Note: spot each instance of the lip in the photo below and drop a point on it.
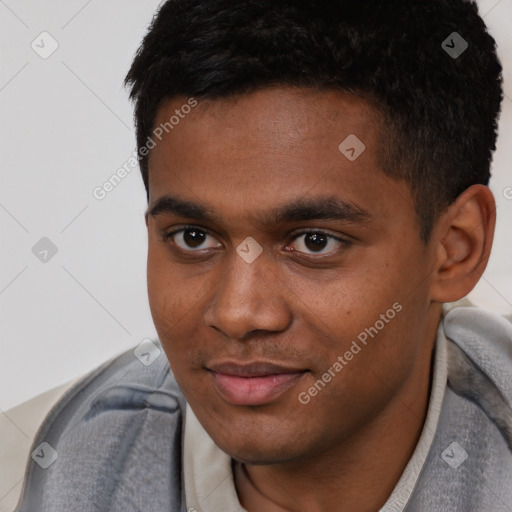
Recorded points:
(256, 383)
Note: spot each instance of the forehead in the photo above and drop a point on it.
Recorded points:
(271, 147)
(278, 118)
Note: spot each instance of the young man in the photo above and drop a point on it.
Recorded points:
(316, 177)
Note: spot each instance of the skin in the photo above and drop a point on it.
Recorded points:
(298, 306)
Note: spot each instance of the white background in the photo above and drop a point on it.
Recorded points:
(66, 127)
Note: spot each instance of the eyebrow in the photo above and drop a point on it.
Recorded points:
(318, 208)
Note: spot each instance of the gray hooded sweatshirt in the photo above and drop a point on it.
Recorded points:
(114, 442)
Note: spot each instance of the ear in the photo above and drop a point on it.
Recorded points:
(463, 238)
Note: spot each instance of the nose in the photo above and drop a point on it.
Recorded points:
(250, 297)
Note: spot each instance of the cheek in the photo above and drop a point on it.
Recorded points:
(158, 284)
(349, 302)
(166, 295)
(364, 315)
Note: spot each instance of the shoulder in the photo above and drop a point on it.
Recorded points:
(134, 380)
(105, 438)
(486, 338)
(480, 362)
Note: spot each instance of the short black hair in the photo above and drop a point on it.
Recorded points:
(438, 107)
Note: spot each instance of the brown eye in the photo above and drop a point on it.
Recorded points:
(193, 237)
(316, 241)
(190, 238)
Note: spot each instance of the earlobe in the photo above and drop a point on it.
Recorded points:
(464, 244)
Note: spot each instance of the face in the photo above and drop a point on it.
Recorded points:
(286, 276)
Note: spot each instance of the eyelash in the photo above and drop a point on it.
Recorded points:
(346, 243)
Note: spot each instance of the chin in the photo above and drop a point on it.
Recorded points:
(258, 447)
(256, 455)
(263, 435)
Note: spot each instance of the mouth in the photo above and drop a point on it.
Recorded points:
(257, 383)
